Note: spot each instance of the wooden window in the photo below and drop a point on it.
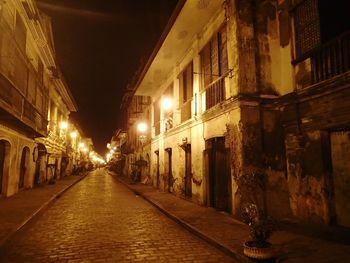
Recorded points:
(186, 91)
(307, 27)
(322, 35)
(214, 67)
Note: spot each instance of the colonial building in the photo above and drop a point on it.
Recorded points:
(244, 87)
(29, 87)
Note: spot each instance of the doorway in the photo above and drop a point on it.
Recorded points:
(4, 164)
(340, 156)
(188, 171)
(218, 174)
(157, 173)
(40, 166)
(169, 174)
(23, 167)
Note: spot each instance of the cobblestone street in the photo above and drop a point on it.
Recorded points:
(100, 220)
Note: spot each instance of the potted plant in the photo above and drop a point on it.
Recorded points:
(252, 188)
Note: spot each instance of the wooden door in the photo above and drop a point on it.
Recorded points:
(157, 175)
(188, 171)
(340, 153)
(218, 174)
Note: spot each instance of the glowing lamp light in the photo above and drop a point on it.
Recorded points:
(63, 125)
(142, 127)
(167, 104)
(73, 134)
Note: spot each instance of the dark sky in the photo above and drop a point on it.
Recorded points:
(99, 46)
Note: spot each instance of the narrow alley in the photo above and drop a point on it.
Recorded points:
(105, 223)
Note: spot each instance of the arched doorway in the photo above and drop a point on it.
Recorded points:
(39, 157)
(4, 164)
(24, 166)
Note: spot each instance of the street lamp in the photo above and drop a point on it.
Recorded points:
(63, 125)
(142, 127)
(73, 134)
(167, 103)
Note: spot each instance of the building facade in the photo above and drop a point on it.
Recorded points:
(29, 86)
(250, 87)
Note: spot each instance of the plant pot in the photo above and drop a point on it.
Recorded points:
(251, 250)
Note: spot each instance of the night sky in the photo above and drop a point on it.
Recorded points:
(99, 45)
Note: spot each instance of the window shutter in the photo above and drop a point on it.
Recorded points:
(307, 27)
(205, 67)
(214, 48)
(189, 81)
(223, 51)
(181, 88)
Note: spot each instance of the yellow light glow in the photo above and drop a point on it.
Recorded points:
(63, 125)
(73, 134)
(81, 145)
(142, 127)
(167, 103)
(84, 149)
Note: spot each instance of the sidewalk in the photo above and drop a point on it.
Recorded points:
(292, 243)
(17, 210)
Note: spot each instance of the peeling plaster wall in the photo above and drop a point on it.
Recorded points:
(197, 145)
(306, 177)
(308, 118)
(274, 161)
(273, 37)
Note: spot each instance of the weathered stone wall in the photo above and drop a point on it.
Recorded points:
(308, 117)
(274, 162)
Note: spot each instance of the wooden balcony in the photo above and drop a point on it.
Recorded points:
(23, 97)
(330, 59)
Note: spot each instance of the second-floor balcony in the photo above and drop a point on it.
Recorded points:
(23, 97)
(328, 60)
(331, 59)
(215, 92)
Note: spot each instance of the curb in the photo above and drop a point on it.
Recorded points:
(188, 227)
(37, 211)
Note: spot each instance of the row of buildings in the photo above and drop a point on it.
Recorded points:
(240, 87)
(37, 142)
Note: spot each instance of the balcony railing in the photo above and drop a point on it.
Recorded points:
(215, 92)
(331, 59)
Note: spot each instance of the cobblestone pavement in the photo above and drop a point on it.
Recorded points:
(100, 220)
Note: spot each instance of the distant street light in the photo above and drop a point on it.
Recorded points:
(63, 125)
(167, 103)
(142, 127)
(73, 134)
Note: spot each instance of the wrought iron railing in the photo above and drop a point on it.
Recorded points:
(215, 92)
